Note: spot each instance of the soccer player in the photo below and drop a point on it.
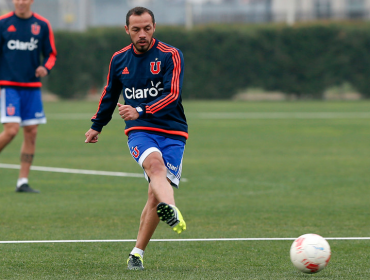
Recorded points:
(150, 74)
(24, 35)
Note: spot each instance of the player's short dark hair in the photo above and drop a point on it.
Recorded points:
(138, 11)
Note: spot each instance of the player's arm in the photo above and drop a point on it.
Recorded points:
(91, 136)
(49, 52)
(109, 98)
(1, 37)
(128, 113)
(41, 71)
(171, 94)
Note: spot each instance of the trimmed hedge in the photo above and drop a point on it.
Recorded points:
(221, 60)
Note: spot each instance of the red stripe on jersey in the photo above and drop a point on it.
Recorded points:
(173, 132)
(105, 88)
(175, 82)
(6, 15)
(174, 86)
(50, 62)
(17, 84)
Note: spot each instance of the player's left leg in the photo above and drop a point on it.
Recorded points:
(161, 186)
(172, 216)
(32, 114)
(27, 153)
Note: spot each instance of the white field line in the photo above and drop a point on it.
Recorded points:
(175, 240)
(239, 115)
(75, 171)
(79, 171)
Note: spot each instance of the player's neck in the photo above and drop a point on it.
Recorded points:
(24, 15)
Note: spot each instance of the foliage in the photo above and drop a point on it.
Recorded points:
(303, 60)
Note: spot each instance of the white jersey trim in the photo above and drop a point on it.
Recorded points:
(146, 154)
(33, 122)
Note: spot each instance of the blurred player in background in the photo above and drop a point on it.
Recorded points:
(24, 37)
(150, 74)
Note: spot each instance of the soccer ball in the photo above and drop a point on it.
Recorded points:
(310, 253)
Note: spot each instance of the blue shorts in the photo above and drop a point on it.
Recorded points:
(21, 105)
(142, 144)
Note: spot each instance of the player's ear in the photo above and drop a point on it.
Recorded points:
(127, 30)
(154, 27)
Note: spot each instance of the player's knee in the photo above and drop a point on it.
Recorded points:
(11, 131)
(157, 168)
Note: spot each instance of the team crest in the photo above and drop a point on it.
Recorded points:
(155, 67)
(10, 110)
(135, 152)
(35, 28)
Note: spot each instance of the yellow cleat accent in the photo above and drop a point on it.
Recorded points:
(135, 262)
(171, 215)
(181, 226)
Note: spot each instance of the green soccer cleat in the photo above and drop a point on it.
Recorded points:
(135, 262)
(172, 216)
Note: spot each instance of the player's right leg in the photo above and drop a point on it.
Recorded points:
(135, 262)
(148, 223)
(8, 134)
(9, 115)
(21, 107)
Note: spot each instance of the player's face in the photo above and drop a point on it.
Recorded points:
(23, 8)
(141, 31)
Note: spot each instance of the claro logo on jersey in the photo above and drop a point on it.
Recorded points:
(132, 93)
(23, 46)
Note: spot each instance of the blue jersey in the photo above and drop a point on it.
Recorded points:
(151, 81)
(22, 41)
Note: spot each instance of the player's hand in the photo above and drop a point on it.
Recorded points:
(127, 112)
(91, 136)
(41, 72)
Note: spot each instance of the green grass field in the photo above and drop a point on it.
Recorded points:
(253, 170)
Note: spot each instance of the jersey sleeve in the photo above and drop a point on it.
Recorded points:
(48, 48)
(108, 100)
(172, 80)
(1, 36)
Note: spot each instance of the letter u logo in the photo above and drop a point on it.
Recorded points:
(135, 152)
(155, 67)
(35, 29)
(10, 110)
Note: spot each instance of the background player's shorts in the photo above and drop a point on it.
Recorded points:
(21, 105)
(142, 144)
